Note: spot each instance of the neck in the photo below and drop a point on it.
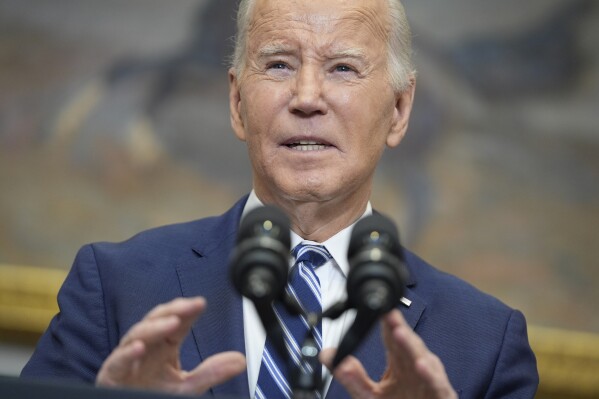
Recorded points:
(320, 220)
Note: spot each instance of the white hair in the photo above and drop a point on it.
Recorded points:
(399, 46)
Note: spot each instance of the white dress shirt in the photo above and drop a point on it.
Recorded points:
(332, 276)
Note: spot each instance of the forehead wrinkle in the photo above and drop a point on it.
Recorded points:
(268, 22)
(369, 18)
(317, 22)
(369, 15)
(265, 21)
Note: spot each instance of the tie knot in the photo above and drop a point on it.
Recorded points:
(313, 255)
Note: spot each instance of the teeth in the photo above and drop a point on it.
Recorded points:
(309, 147)
(305, 145)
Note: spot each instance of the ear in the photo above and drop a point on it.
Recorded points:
(401, 116)
(235, 105)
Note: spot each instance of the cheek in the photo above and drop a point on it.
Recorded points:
(369, 104)
(346, 98)
(259, 157)
(263, 108)
(381, 117)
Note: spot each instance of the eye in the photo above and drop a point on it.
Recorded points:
(277, 65)
(343, 68)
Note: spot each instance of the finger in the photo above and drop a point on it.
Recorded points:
(406, 340)
(158, 323)
(404, 345)
(213, 371)
(350, 373)
(431, 370)
(183, 307)
(121, 364)
(152, 331)
(187, 320)
(420, 363)
(398, 362)
(187, 309)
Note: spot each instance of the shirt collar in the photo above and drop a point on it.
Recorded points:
(336, 245)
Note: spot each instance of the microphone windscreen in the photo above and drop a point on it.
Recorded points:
(377, 273)
(265, 221)
(375, 229)
(260, 261)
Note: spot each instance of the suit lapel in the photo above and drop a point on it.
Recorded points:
(220, 328)
(413, 312)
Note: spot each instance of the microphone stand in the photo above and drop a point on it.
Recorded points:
(308, 376)
(306, 379)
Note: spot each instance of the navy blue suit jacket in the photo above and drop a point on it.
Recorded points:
(482, 342)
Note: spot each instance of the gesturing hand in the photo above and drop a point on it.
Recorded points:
(412, 372)
(148, 355)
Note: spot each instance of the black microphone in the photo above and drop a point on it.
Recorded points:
(260, 261)
(376, 277)
(260, 264)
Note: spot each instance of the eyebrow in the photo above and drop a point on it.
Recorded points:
(351, 52)
(271, 49)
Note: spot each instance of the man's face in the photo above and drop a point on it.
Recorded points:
(314, 102)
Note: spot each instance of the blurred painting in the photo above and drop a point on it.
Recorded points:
(114, 119)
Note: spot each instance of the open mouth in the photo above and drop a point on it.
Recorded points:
(306, 145)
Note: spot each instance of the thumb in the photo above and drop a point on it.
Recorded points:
(213, 371)
(350, 373)
(326, 357)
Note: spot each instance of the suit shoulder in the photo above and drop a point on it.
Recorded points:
(448, 291)
(201, 234)
(481, 341)
(172, 236)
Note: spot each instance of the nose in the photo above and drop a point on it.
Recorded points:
(307, 97)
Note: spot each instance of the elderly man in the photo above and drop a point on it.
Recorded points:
(318, 89)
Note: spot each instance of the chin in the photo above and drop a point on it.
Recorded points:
(314, 186)
(311, 193)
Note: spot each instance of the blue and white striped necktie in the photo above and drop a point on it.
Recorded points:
(304, 286)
